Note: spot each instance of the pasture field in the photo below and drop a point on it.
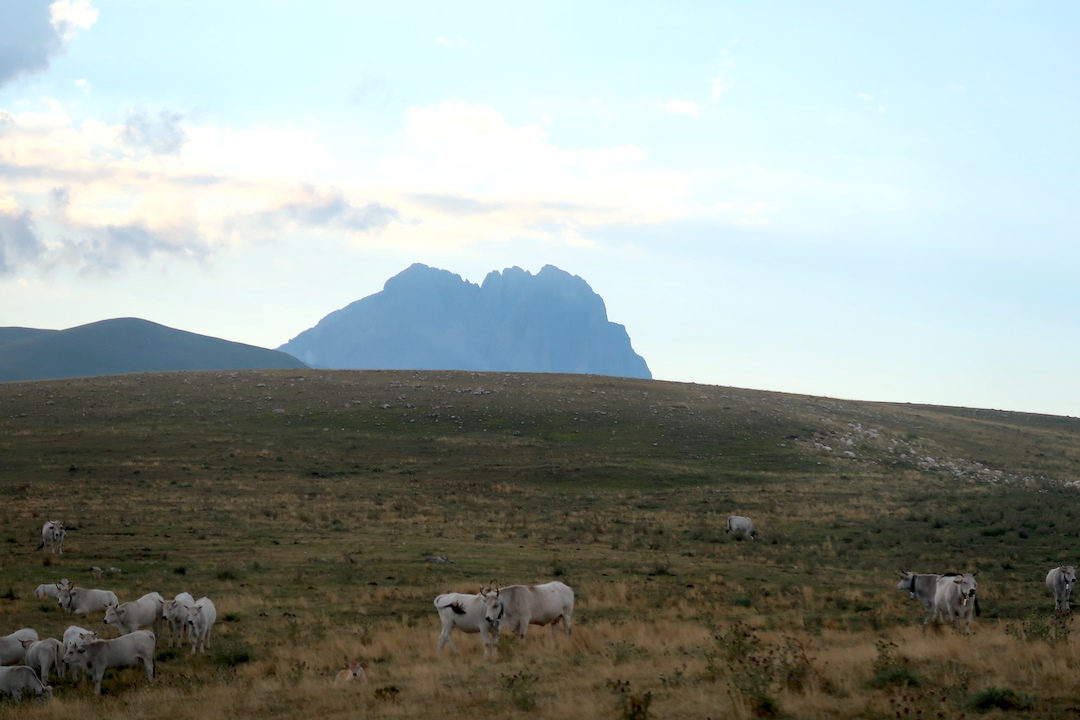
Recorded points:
(307, 505)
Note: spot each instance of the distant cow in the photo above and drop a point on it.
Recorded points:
(481, 613)
(201, 619)
(16, 680)
(544, 604)
(955, 598)
(80, 601)
(52, 536)
(741, 526)
(175, 613)
(47, 590)
(1060, 581)
(97, 656)
(43, 656)
(353, 673)
(12, 651)
(141, 613)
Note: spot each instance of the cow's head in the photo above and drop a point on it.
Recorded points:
(113, 614)
(965, 586)
(1068, 574)
(493, 608)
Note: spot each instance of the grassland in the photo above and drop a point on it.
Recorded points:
(307, 505)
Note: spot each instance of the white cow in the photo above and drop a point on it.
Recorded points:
(955, 598)
(80, 601)
(130, 616)
(741, 525)
(201, 619)
(12, 651)
(1060, 581)
(43, 656)
(175, 613)
(75, 634)
(922, 587)
(96, 656)
(16, 680)
(47, 590)
(52, 536)
(480, 613)
(545, 604)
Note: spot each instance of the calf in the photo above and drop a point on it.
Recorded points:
(15, 680)
(43, 656)
(97, 656)
(480, 613)
(353, 673)
(175, 613)
(201, 619)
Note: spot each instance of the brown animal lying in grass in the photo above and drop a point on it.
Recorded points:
(353, 673)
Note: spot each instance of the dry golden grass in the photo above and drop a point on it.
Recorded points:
(310, 530)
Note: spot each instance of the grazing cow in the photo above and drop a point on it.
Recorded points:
(1060, 581)
(201, 619)
(47, 590)
(96, 656)
(52, 536)
(545, 604)
(81, 601)
(130, 616)
(480, 613)
(175, 613)
(353, 673)
(740, 525)
(955, 598)
(12, 651)
(43, 656)
(15, 680)
(75, 634)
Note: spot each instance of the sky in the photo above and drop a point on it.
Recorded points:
(872, 201)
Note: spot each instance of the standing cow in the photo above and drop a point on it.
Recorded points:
(741, 526)
(141, 613)
(201, 619)
(43, 656)
(52, 536)
(175, 613)
(1060, 581)
(955, 598)
(97, 656)
(481, 613)
(544, 604)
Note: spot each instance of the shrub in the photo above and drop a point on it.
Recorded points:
(630, 706)
(1001, 698)
(519, 688)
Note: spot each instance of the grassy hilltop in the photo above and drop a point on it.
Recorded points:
(306, 503)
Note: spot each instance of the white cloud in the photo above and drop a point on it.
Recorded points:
(683, 107)
(70, 16)
(719, 85)
(453, 42)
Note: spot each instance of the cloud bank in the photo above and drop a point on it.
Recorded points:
(32, 32)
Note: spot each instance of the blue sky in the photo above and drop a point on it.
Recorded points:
(855, 200)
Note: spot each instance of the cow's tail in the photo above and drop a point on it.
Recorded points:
(978, 612)
(458, 610)
(41, 545)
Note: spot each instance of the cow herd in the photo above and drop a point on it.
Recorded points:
(27, 661)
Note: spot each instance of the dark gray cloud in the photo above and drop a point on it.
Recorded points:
(331, 209)
(28, 39)
(19, 242)
(161, 134)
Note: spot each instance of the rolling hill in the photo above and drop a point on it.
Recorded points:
(123, 345)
